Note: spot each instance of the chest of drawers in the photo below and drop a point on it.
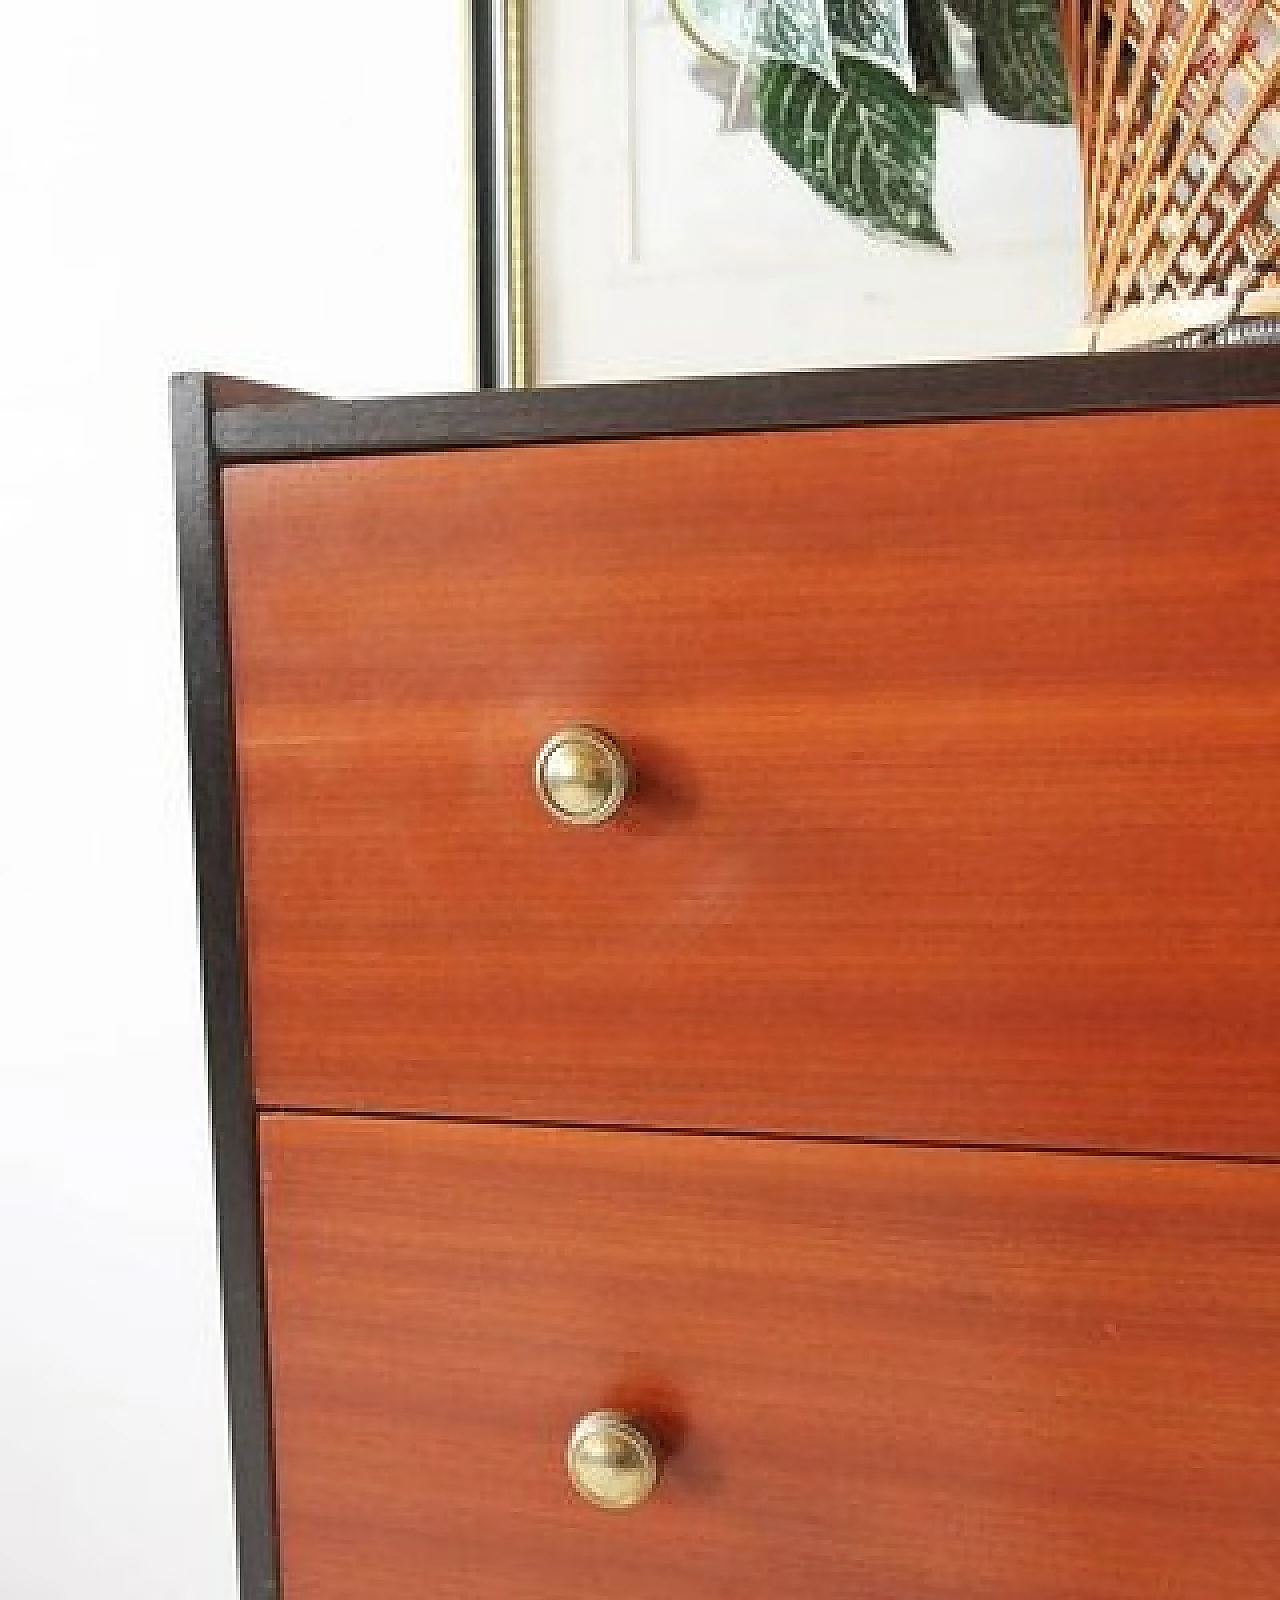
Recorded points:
(859, 1146)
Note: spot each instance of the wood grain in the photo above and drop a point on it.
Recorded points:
(879, 1372)
(958, 756)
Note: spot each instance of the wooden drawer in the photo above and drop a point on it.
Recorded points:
(887, 1373)
(957, 755)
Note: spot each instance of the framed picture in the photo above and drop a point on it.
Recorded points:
(679, 187)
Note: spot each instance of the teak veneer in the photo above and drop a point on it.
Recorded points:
(891, 1373)
(881, 1112)
(955, 758)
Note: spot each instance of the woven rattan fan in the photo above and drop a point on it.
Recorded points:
(1178, 107)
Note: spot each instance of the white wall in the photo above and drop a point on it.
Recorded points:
(269, 187)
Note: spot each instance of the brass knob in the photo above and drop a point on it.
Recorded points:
(581, 775)
(612, 1461)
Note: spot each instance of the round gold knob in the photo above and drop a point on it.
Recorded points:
(612, 1461)
(581, 775)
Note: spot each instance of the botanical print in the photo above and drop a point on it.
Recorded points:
(1020, 58)
(747, 31)
(874, 31)
(854, 95)
(867, 148)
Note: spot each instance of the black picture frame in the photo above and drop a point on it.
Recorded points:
(498, 182)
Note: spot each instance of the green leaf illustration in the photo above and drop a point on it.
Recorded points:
(872, 30)
(931, 52)
(1020, 60)
(751, 30)
(869, 150)
(796, 31)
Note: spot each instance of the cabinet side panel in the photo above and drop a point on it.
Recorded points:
(214, 807)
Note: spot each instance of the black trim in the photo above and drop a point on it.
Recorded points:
(1040, 386)
(215, 813)
(487, 187)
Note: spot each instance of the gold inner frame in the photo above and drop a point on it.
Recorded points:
(519, 265)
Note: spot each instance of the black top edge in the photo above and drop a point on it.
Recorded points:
(226, 391)
(1039, 386)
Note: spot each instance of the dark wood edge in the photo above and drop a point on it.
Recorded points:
(214, 807)
(1041, 386)
(226, 392)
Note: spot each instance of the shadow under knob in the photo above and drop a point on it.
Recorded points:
(581, 776)
(612, 1461)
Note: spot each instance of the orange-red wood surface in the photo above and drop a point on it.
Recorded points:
(958, 770)
(886, 1373)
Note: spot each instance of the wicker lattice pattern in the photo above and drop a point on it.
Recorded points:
(1178, 107)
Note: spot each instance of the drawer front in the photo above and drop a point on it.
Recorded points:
(875, 1372)
(956, 760)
